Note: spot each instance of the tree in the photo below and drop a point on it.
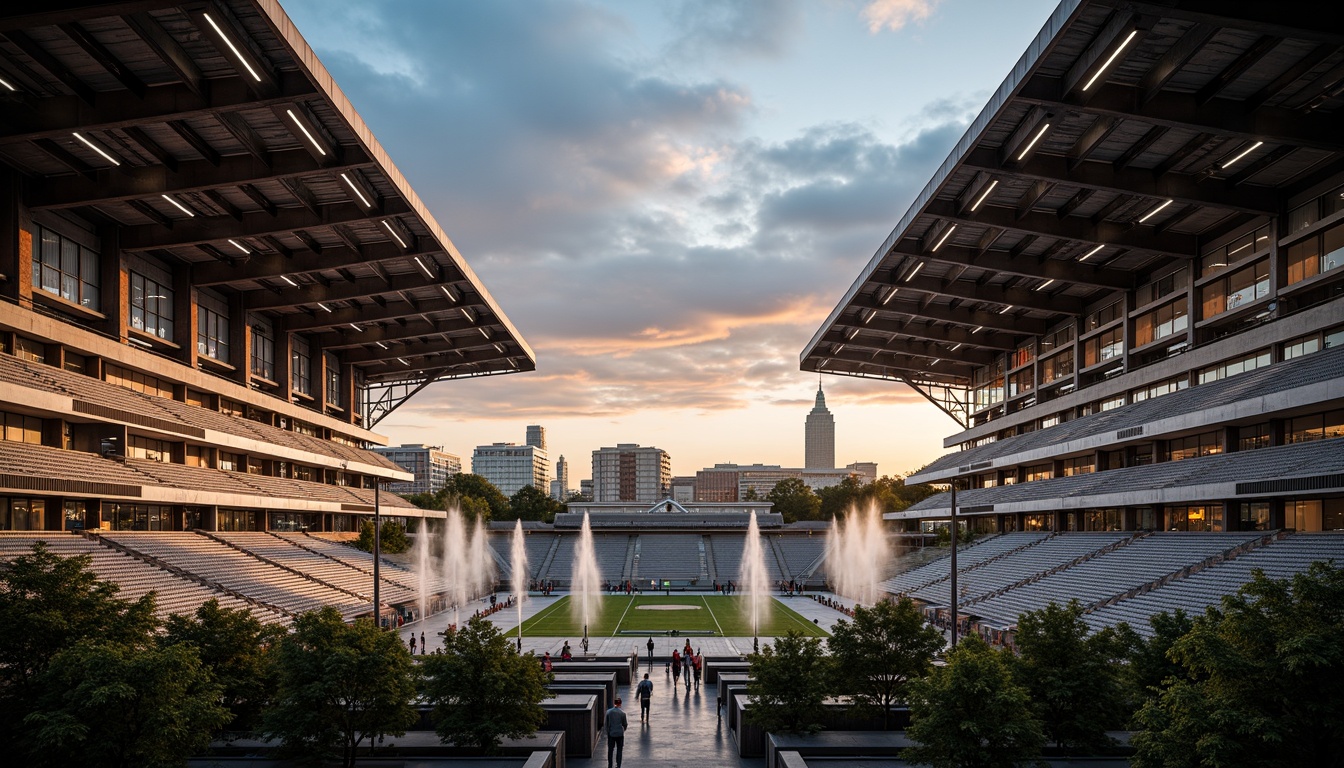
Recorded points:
(392, 540)
(233, 646)
(1260, 680)
(972, 713)
(751, 495)
(1150, 665)
(837, 499)
(794, 500)
(530, 503)
(789, 682)
(1074, 685)
(482, 691)
(473, 494)
(338, 685)
(49, 603)
(881, 652)
(120, 705)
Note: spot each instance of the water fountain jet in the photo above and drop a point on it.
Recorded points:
(518, 575)
(857, 554)
(586, 586)
(756, 579)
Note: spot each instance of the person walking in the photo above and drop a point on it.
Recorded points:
(686, 660)
(645, 692)
(698, 661)
(614, 726)
(649, 645)
(676, 666)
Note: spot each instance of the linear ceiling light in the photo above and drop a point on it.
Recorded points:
(915, 271)
(1154, 212)
(1092, 252)
(1004, 311)
(1242, 154)
(852, 333)
(5, 83)
(288, 280)
(402, 360)
(311, 139)
(978, 329)
(992, 184)
(393, 232)
(956, 347)
(466, 314)
(890, 295)
(448, 293)
(358, 192)
(484, 332)
(233, 48)
(381, 344)
(180, 206)
(422, 266)
(97, 149)
(943, 239)
(936, 361)
(1110, 60)
(839, 349)
(356, 327)
(238, 245)
(870, 317)
(1045, 285)
(324, 307)
(1033, 141)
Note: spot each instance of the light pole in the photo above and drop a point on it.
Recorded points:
(954, 561)
(377, 550)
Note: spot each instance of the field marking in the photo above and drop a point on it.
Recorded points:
(629, 601)
(536, 617)
(712, 616)
(798, 618)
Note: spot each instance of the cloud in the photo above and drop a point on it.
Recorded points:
(735, 28)
(895, 14)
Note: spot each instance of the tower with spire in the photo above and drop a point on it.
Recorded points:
(819, 450)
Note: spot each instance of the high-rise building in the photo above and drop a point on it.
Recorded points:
(586, 490)
(820, 436)
(560, 485)
(630, 472)
(536, 436)
(737, 482)
(509, 466)
(429, 463)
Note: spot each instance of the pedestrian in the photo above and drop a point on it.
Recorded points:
(615, 725)
(412, 645)
(699, 662)
(686, 661)
(676, 666)
(565, 653)
(645, 692)
(649, 645)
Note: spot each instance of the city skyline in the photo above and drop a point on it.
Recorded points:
(669, 199)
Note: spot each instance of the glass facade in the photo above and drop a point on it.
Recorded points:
(64, 268)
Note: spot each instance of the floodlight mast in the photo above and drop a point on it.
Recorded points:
(377, 550)
(953, 526)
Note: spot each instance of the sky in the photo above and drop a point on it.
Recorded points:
(668, 198)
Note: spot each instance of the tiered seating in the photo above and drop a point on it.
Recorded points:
(669, 556)
(801, 551)
(972, 554)
(59, 464)
(136, 578)
(337, 547)
(325, 569)
(193, 478)
(728, 548)
(1279, 560)
(609, 549)
(1110, 574)
(234, 570)
(992, 576)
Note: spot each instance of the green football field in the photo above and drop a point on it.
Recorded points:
(724, 616)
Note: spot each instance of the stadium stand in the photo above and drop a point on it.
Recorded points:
(980, 580)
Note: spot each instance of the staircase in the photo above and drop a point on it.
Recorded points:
(628, 570)
(549, 558)
(707, 552)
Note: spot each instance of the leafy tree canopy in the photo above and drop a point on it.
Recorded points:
(233, 645)
(972, 713)
(878, 654)
(789, 682)
(531, 503)
(482, 690)
(473, 494)
(794, 500)
(338, 686)
(392, 541)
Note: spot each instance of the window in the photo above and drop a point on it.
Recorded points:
(1304, 345)
(1057, 340)
(1111, 404)
(1021, 382)
(305, 473)
(73, 513)
(1237, 289)
(138, 447)
(65, 268)
(32, 351)
(196, 456)
(1319, 253)
(1233, 367)
(1038, 472)
(1253, 437)
(1320, 426)
(19, 428)
(1038, 522)
(300, 366)
(1194, 446)
(151, 306)
(304, 428)
(138, 382)
(1022, 355)
(212, 334)
(1107, 314)
(1104, 347)
(1161, 388)
(1195, 517)
(1082, 465)
(230, 462)
(1334, 337)
(1242, 247)
(137, 517)
(1163, 286)
(1255, 516)
(987, 385)
(1314, 514)
(73, 362)
(229, 520)
(333, 380)
(1057, 367)
(1103, 519)
(18, 514)
(1160, 323)
(263, 353)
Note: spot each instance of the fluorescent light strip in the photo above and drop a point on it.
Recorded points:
(484, 332)
(180, 206)
(402, 360)
(1111, 60)
(1004, 311)
(915, 271)
(958, 346)
(870, 317)
(448, 293)
(1092, 252)
(935, 362)
(233, 48)
(238, 245)
(466, 314)
(978, 329)
(1045, 285)
(324, 306)
(1033, 141)
(943, 239)
(97, 149)
(356, 327)
(355, 188)
(1243, 153)
(381, 344)
(5, 83)
(287, 280)
(1154, 212)
(889, 297)
(984, 195)
(852, 333)
(311, 140)
(422, 266)
(394, 234)
(840, 349)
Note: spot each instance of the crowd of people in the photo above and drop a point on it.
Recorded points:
(789, 588)
(833, 603)
(688, 663)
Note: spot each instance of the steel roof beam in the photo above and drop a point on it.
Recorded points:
(1071, 228)
(371, 313)
(345, 337)
(912, 346)
(993, 294)
(430, 356)
(924, 331)
(968, 318)
(1065, 271)
(203, 229)
(260, 266)
(360, 288)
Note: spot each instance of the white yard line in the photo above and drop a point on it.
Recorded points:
(711, 615)
(617, 630)
(542, 613)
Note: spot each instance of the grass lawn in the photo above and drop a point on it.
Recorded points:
(723, 615)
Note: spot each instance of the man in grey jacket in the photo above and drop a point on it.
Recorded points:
(614, 727)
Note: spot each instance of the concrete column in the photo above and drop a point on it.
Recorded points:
(240, 341)
(283, 347)
(184, 314)
(16, 241)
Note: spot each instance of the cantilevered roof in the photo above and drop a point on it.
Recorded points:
(1126, 135)
(213, 135)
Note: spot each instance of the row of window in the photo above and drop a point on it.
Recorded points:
(1298, 514)
(64, 268)
(30, 514)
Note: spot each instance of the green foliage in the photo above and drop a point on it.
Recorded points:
(120, 705)
(530, 503)
(1074, 685)
(789, 681)
(473, 494)
(837, 499)
(794, 500)
(1150, 665)
(338, 685)
(49, 603)
(889, 494)
(233, 646)
(1259, 683)
(972, 713)
(393, 539)
(482, 690)
(881, 652)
